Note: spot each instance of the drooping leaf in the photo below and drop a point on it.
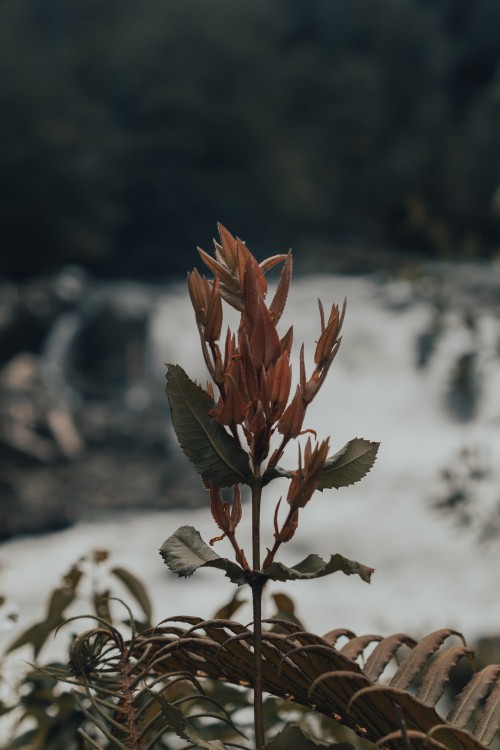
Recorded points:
(313, 566)
(214, 453)
(136, 588)
(384, 652)
(489, 721)
(350, 464)
(450, 736)
(336, 634)
(419, 655)
(357, 645)
(292, 736)
(473, 694)
(185, 551)
(304, 668)
(438, 674)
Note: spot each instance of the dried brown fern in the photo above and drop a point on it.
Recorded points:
(397, 710)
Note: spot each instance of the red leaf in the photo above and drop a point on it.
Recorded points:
(290, 424)
(279, 300)
(264, 341)
(229, 251)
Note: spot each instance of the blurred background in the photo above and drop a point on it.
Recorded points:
(358, 132)
(362, 133)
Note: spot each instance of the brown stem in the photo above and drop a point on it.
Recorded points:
(271, 553)
(240, 554)
(277, 454)
(256, 499)
(257, 586)
(277, 541)
(258, 713)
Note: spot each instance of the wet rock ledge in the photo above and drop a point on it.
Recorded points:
(83, 432)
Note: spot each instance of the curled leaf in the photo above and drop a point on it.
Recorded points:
(185, 551)
(313, 566)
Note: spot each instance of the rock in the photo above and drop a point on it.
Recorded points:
(80, 433)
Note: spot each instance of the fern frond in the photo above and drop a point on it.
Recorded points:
(308, 670)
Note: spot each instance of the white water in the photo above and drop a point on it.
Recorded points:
(428, 575)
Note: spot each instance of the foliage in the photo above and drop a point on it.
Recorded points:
(469, 494)
(371, 685)
(49, 712)
(315, 672)
(43, 715)
(127, 123)
(187, 678)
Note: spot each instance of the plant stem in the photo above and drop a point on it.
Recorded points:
(257, 586)
(256, 498)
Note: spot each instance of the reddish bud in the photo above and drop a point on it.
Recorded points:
(273, 260)
(328, 339)
(249, 371)
(217, 508)
(227, 248)
(259, 431)
(220, 270)
(236, 511)
(226, 518)
(280, 378)
(302, 366)
(213, 323)
(290, 424)
(326, 350)
(289, 527)
(245, 257)
(264, 341)
(279, 300)
(306, 478)
(287, 341)
(250, 294)
(233, 407)
(229, 349)
(197, 294)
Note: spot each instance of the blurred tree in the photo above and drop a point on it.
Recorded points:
(129, 129)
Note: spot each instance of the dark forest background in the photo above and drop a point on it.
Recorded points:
(129, 128)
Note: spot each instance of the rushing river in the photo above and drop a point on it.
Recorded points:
(428, 574)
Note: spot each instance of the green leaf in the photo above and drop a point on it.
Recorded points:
(313, 566)
(180, 725)
(59, 601)
(228, 610)
(35, 635)
(349, 465)
(185, 551)
(136, 588)
(292, 736)
(275, 473)
(215, 454)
